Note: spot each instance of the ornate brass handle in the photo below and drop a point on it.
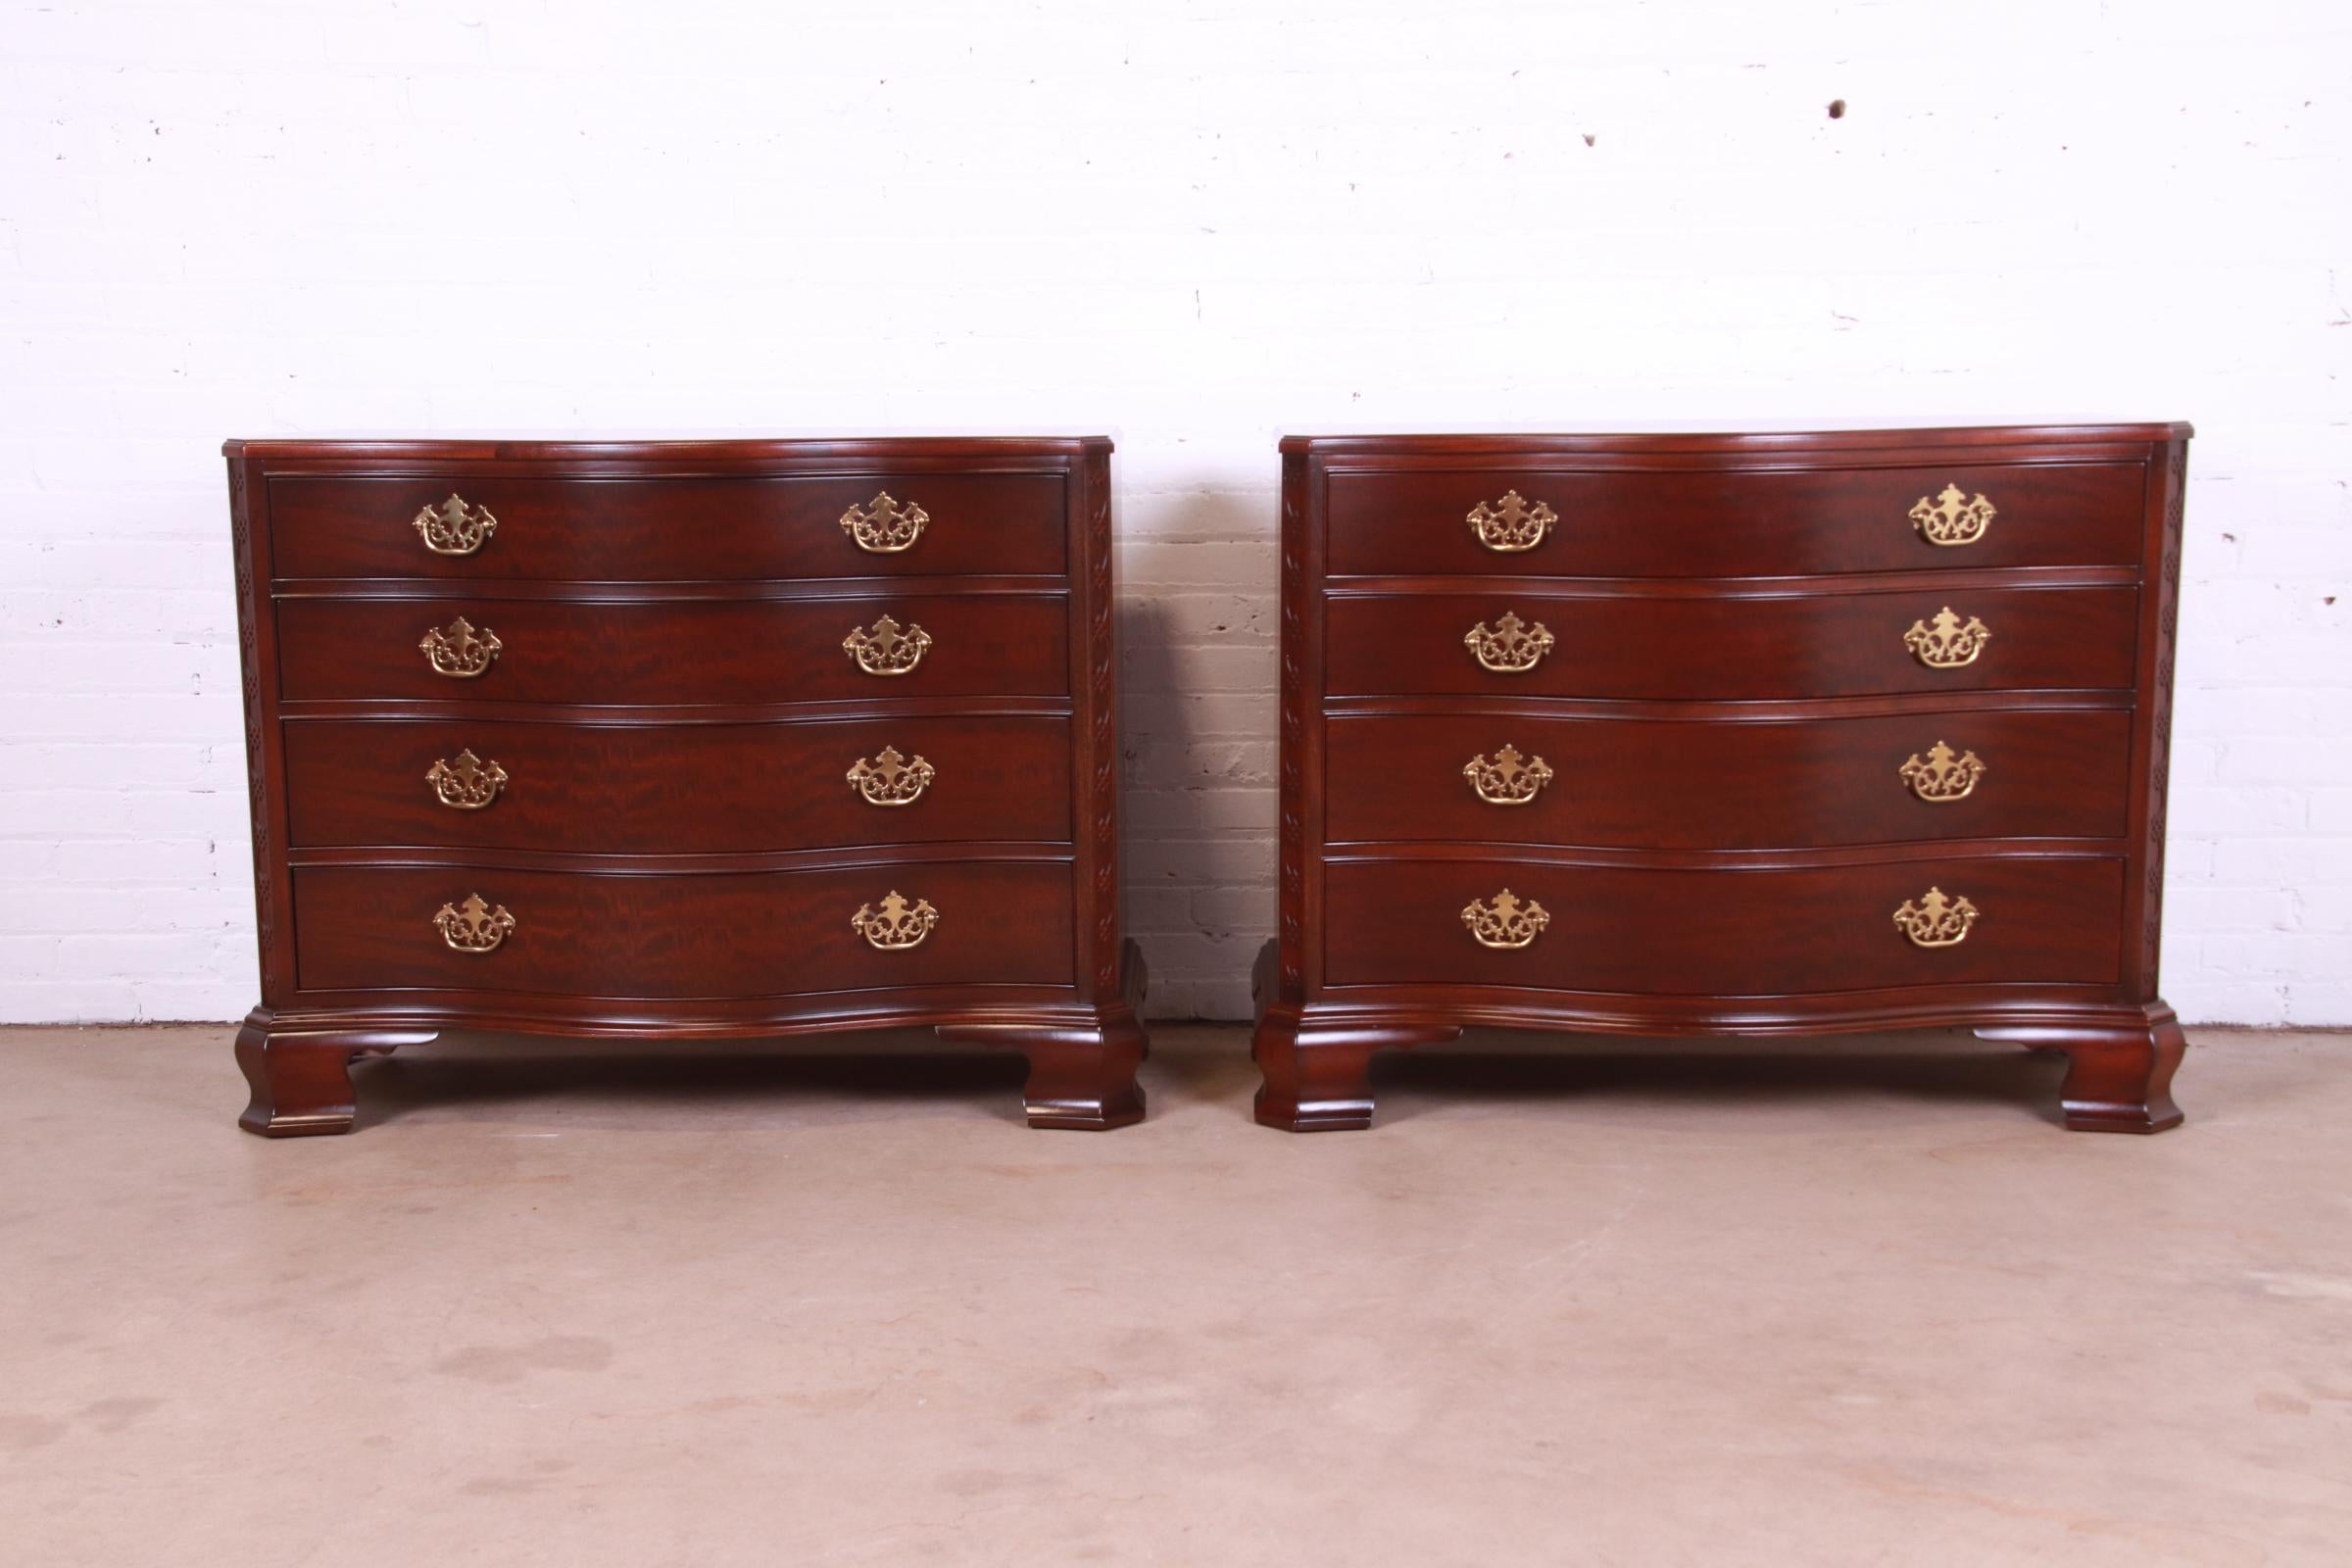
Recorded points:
(897, 925)
(473, 926)
(468, 784)
(1951, 519)
(889, 779)
(1936, 921)
(1507, 922)
(1942, 776)
(1947, 643)
(889, 649)
(1511, 524)
(1512, 648)
(883, 527)
(460, 652)
(454, 528)
(1509, 780)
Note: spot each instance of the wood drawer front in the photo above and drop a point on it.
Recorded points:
(1724, 932)
(673, 650)
(747, 934)
(667, 530)
(1723, 785)
(1735, 523)
(674, 789)
(1732, 648)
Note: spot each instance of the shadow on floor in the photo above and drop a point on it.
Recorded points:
(1196, 1064)
(1931, 1066)
(864, 1075)
(1210, 1063)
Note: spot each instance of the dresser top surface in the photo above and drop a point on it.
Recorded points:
(1759, 440)
(722, 451)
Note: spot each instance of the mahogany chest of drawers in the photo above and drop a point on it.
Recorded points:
(681, 739)
(1735, 734)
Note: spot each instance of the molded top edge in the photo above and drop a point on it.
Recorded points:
(1469, 444)
(735, 449)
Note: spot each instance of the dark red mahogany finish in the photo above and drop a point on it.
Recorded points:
(673, 719)
(1724, 828)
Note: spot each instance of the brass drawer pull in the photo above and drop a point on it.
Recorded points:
(1948, 644)
(468, 784)
(889, 779)
(897, 925)
(1942, 776)
(454, 528)
(1509, 780)
(473, 926)
(883, 527)
(889, 649)
(1512, 648)
(1936, 921)
(1951, 519)
(459, 651)
(1511, 524)
(1506, 923)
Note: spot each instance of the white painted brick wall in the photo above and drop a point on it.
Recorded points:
(1198, 225)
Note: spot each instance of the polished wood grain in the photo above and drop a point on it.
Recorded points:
(1745, 645)
(655, 936)
(652, 529)
(1725, 710)
(1725, 930)
(1774, 782)
(677, 839)
(673, 650)
(1767, 522)
(678, 788)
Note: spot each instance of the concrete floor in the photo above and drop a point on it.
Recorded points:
(1610, 1303)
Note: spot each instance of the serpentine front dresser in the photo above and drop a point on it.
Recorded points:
(1733, 734)
(681, 739)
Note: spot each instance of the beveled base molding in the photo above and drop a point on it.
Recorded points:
(1082, 1059)
(1081, 1078)
(1320, 1079)
(301, 1080)
(1315, 1056)
(2118, 1079)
